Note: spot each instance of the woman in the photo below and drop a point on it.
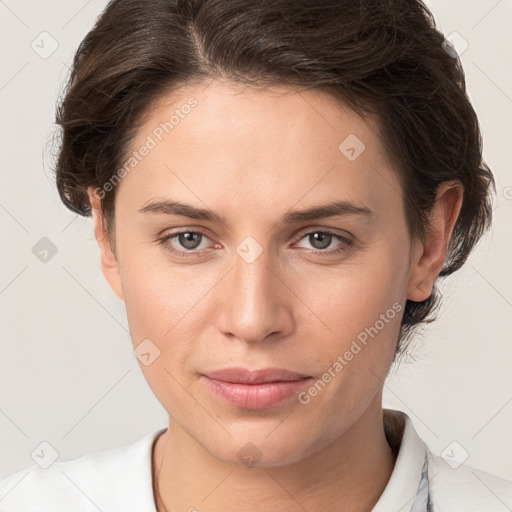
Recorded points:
(275, 188)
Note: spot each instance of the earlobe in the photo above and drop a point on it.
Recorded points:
(109, 262)
(429, 255)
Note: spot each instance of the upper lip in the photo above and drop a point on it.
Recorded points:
(246, 376)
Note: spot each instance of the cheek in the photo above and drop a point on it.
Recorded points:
(362, 308)
(355, 294)
(155, 292)
(169, 304)
(160, 300)
(164, 312)
(357, 311)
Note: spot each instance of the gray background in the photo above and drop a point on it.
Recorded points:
(67, 371)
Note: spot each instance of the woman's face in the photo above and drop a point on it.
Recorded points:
(255, 284)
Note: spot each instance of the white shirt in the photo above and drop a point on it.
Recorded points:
(120, 480)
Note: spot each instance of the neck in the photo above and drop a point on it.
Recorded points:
(348, 474)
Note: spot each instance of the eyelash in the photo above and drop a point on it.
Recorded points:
(347, 243)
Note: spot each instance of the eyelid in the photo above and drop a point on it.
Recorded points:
(323, 229)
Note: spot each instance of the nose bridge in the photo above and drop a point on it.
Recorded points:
(253, 306)
(253, 272)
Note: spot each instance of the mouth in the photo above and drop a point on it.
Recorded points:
(260, 376)
(255, 389)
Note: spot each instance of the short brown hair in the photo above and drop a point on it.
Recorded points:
(384, 58)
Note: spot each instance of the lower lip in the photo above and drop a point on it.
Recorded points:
(256, 396)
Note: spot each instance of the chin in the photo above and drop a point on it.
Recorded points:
(261, 449)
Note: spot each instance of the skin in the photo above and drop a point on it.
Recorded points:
(251, 156)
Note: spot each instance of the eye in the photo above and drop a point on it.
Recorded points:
(187, 243)
(321, 240)
(184, 243)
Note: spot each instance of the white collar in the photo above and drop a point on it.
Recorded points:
(120, 479)
(402, 487)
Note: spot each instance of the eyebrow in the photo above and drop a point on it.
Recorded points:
(331, 209)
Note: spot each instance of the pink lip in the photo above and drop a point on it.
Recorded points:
(257, 389)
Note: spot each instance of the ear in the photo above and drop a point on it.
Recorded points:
(429, 254)
(109, 262)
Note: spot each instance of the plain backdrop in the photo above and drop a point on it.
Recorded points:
(68, 375)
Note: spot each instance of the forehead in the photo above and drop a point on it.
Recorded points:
(251, 115)
(265, 147)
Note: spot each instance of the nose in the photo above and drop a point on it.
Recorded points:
(256, 302)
